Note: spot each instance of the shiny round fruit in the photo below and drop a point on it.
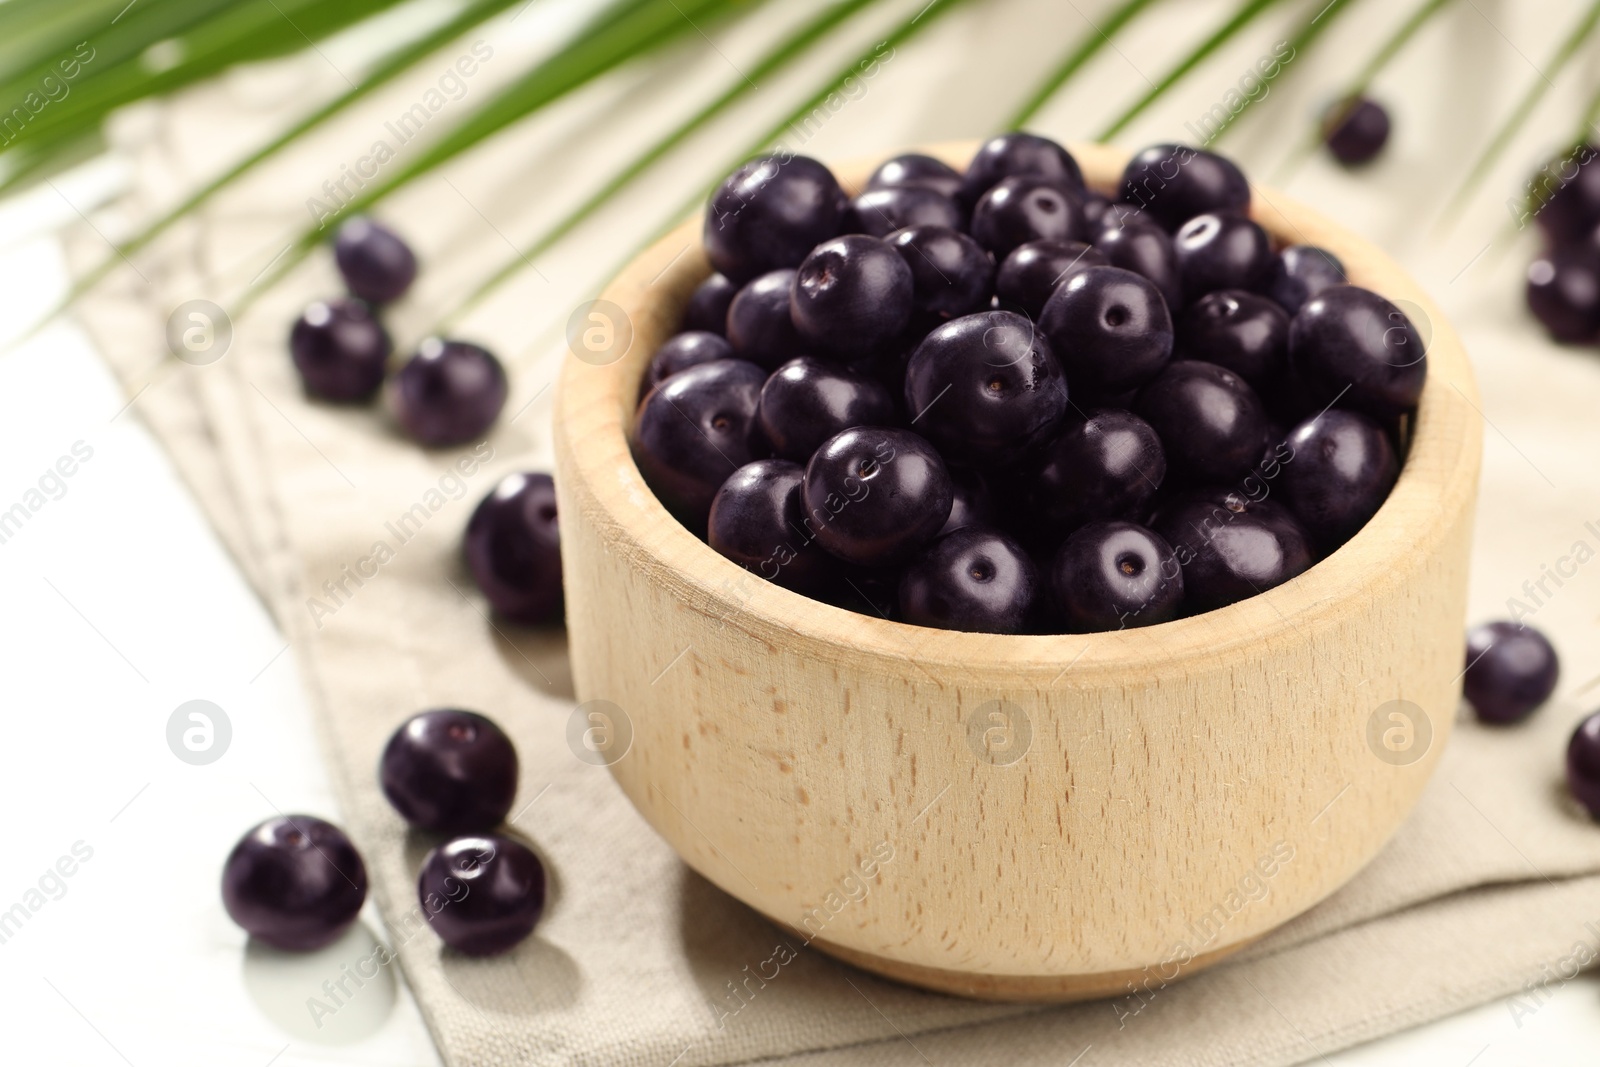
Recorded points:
(694, 430)
(295, 882)
(1564, 293)
(483, 894)
(682, 351)
(708, 305)
(1583, 764)
(1300, 272)
(1111, 329)
(971, 502)
(851, 296)
(807, 401)
(758, 521)
(880, 212)
(875, 496)
(340, 350)
(1511, 670)
(1146, 249)
(1564, 197)
(1231, 549)
(449, 393)
(976, 580)
(513, 549)
(760, 328)
(1340, 472)
(1174, 183)
(1244, 332)
(449, 771)
(1211, 423)
(1356, 130)
(376, 264)
(1034, 270)
(1019, 155)
(1023, 209)
(1104, 467)
(951, 274)
(1115, 576)
(986, 388)
(917, 171)
(1352, 346)
(1222, 252)
(770, 213)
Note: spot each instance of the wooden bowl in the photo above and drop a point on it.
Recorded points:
(1017, 817)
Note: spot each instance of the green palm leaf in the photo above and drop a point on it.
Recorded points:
(1086, 50)
(1303, 39)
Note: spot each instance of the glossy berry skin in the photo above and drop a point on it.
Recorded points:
(1019, 155)
(1355, 131)
(295, 882)
(1146, 249)
(875, 496)
(682, 351)
(1104, 467)
(917, 171)
(1115, 576)
(770, 213)
(807, 401)
(513, 549)
(1111, 329)
(695, 429)
(1511, 670)
(758, 521)
(1222, 252)
(482, 894)
(340, 350)
(1096, 209)
(1565, 196)
(449, 771)
(708, 305)
(1023, 209)
(1032, 271)
(1211, 423)
(986, 388)
(851, 296)
(951, 274)
(1564, 293)
(1174, 183)
(376, 264)
(1342, 469)
(976, 580)
(1231, 549)
(880, 212)
(971, 502)
(1583, 764)
(1243, 332)
(1300, 272)
(760, 328)
(449, 393)
(1349, 336)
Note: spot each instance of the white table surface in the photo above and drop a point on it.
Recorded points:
(119, 605)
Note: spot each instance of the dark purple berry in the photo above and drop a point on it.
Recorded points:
(1564, 293)
(880, 212)
(1095, 210)
(340, 350)
(1146, 249)
(694, 430)
(1300, 272)
(708, 305)
(482, 894)
(1231, 549)
(449, 393)
(1355, 130)
(851, 296)
(1174, 183)
(1115, 576)
(1211, 424)
(1032, 271)
(295, 882)
(1021, 155)
(1222, 252)
(1340, 471)
(760, 328)
(513, 549)
(986, 387)
(974, 579)
(449, 771)
(376, 264)
(919, 172)
(971, 502)
(951, 274)
(807, 401)
(1583, 764)
(1511, 670)
(758, 521)
(682, 351)
(1107, 466)
(1564, 197)
(1111, 329)
(1023, 209)
(1351, 346)
(1243, 332)
(770, 213)
(873, 496)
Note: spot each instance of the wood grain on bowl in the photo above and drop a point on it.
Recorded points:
(1025, 817)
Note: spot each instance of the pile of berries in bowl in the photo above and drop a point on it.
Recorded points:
(996, 401)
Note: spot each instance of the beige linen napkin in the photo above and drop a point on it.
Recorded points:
(1491, 888)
